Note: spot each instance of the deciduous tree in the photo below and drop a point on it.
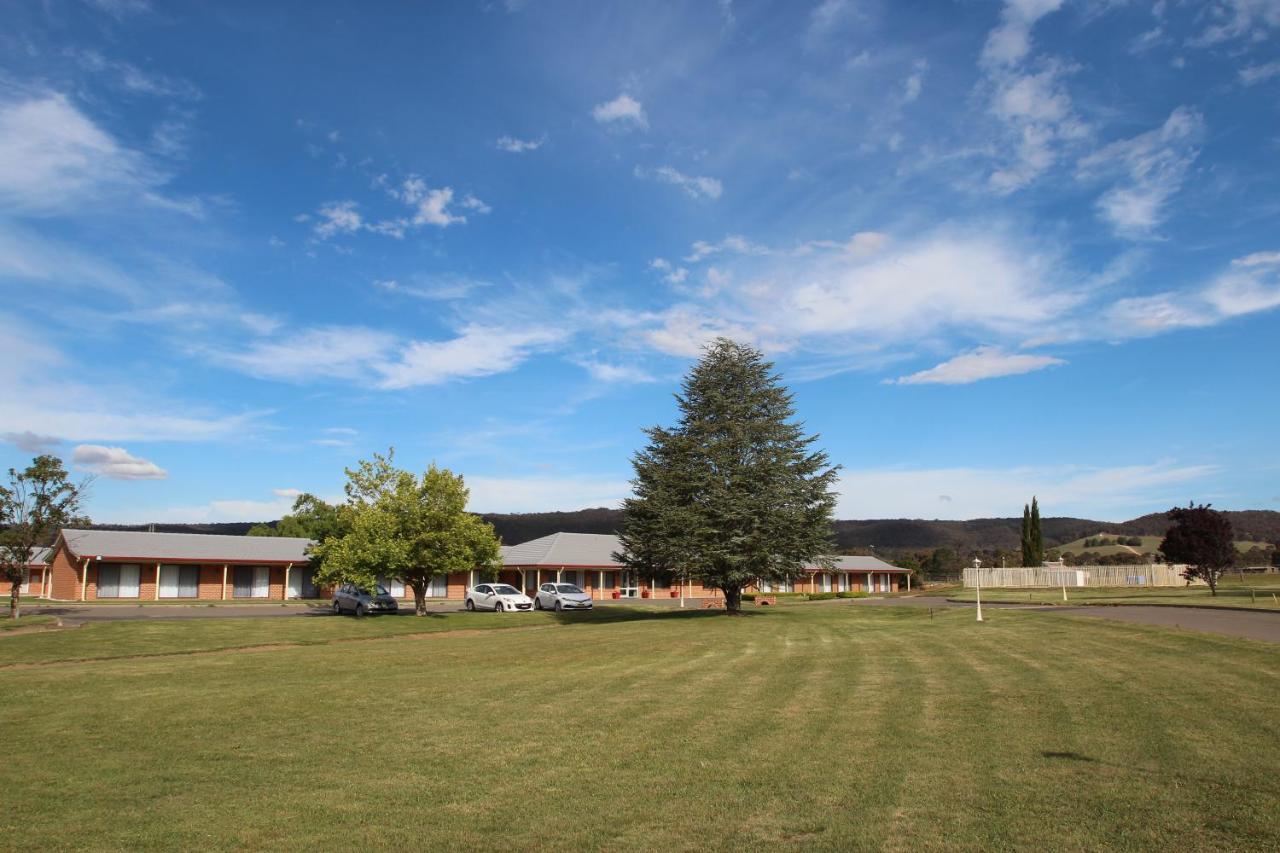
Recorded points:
(1203, 539)
(735, 492)
(405, 527)
(37, 501)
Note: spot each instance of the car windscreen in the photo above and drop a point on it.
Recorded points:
(381, 590)
(568, 587)
(503, 589)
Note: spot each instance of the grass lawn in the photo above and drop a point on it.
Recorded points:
(1255, 594)
(7, 624)
(802, 725)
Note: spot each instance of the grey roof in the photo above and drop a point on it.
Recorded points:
(565, 549)
(864, 564)
(39, 556)
(133, 545)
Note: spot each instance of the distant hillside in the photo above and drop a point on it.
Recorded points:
(885, 535)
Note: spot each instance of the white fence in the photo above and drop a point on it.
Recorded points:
(1078, 576)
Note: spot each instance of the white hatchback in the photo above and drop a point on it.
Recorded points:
(561, 596)
(497, 596)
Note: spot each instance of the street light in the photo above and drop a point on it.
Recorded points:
(977, 581)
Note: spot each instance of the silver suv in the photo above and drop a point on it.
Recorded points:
(350, 598)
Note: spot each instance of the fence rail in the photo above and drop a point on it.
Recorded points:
(1078, 576)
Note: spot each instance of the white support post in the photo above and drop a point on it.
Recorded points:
(908, 582)
(600, 585)
(84, 579)
(224, 581)
(284, 593)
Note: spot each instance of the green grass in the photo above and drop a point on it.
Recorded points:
(7, 624)
(831, 726)
(1254, 594)
(1150, 545)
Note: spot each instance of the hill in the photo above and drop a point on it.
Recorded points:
(882, 535)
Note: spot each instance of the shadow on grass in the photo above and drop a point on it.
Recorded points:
(613, 614)
(1069, 756)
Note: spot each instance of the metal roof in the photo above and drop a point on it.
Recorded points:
(193, 547)
(565, 549)
(861, 564)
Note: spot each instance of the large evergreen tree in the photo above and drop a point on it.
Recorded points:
(735, 492)
(1027, 551)
(1037, 537)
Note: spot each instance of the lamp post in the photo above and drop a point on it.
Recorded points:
(977, 582)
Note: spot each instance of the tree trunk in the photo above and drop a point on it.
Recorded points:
(733, 600)
(1213, 582)
(14, 592)
(419, 598)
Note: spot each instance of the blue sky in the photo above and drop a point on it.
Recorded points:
(996, 249)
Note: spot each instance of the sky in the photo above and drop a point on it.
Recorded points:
(995, 249)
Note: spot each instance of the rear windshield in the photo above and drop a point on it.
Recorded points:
(503, 589)
(567, 587)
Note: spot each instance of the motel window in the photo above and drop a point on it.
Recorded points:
(118, 581)
(252, 582)
(438, 587)
(26, 581)
(610, 580)
(393, 586)
(661, 583)
(179, 581)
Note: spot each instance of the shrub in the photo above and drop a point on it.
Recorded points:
(857, 593)
(821, 596)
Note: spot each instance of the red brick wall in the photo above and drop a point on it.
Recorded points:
(66, 577)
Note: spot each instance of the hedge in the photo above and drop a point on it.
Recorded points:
(857, 593)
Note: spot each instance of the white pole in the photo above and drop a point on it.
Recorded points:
(680, 581)
(1064, 582)
(977, 576)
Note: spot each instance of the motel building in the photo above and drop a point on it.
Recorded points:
(35, 577)
(109, 565)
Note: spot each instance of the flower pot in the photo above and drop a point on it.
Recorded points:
(644, 594)
(675, 593)
(617, 594)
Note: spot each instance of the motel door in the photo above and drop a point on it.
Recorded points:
(628, 584)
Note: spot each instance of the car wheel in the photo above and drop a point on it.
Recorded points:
(360, 609)
(537, 603)
(559, 606)
(337, 609)
(471, 605)
(498, 608)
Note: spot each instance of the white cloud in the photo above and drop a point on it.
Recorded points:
(121, 8)
(54, 159)
(1258, 73)
(987, 362)
(115, 463)
(337, 217)
(1125, 490)
(515, 145)
(696, 186)
(341, 352)
(1153, 166)
(1250, 285)
(914, 83)
(286, 493)
(214, 511)
(1010, 42)
(1238, 19)
(476, 351)
(623, 110)
(1039, 120)
(671, 273)
(615, 374)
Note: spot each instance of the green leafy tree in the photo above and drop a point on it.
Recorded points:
(734, 493)
(37, 501)
(1203, 539)
(410, 528)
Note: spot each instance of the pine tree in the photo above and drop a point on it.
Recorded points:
(734, 493)
(1037, 538)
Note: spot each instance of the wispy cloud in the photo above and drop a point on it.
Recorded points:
(515, 145)
(30, 442)
(986, 362)
(695, 186)
(1153, 167)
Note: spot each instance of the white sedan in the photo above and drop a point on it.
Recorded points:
(497, 596)
(561, 596)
